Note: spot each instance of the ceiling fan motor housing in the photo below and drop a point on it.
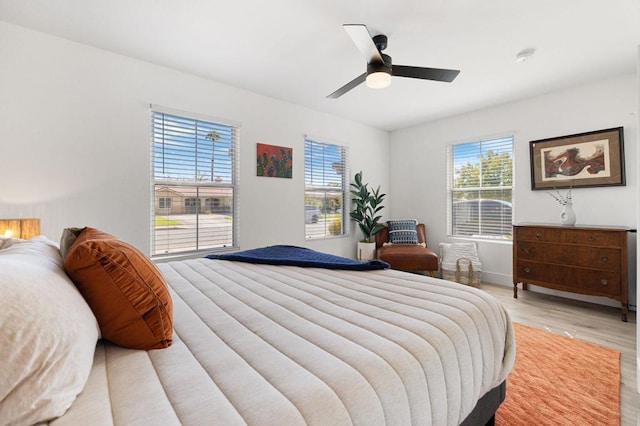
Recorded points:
(375, 66)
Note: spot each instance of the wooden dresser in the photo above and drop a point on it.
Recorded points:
(589, 260)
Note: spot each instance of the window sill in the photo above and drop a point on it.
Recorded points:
(190, 255)
(480, 239)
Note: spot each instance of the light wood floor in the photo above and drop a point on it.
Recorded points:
(585, 321)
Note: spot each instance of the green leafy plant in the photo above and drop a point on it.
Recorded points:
(367, 204)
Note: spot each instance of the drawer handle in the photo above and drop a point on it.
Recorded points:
(604, 258)
(591, 238)
(538, 236)
(604, 282)
(527, 250)
(527, 270)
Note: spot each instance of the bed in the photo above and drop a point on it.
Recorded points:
(265, 344)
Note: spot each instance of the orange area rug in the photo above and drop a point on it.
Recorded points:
(557, 380)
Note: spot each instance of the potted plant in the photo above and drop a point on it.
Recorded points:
(367, 204)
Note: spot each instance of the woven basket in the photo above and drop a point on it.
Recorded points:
(463, 274)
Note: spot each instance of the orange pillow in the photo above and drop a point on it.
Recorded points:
(124, 288)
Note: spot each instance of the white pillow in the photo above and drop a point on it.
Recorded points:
(48, 334)
(451, 252)
(5, 242)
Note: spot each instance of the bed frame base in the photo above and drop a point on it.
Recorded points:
(485, 410)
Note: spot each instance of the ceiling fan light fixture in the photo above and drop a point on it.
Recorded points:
(378, 80)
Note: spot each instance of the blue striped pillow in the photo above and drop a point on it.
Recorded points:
(403, 231)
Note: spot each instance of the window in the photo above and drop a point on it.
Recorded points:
(325, 189)
(194, 170)
(480, 186)
(164, 202)
(212, 205)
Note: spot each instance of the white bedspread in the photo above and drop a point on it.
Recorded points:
(278, 345)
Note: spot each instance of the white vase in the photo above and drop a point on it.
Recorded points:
(366, 251)
(568, 217)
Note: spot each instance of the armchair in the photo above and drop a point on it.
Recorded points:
(407, 257)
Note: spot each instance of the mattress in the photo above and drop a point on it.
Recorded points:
(275, 345)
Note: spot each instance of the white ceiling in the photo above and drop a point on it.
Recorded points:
(297, 50)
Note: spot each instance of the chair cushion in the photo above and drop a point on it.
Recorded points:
(403, 231)
(409, 257)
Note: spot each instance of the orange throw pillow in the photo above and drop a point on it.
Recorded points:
(124, 288)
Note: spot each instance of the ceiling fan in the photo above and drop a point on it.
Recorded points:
(379, 68)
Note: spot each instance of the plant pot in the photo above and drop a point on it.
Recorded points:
(366, 251)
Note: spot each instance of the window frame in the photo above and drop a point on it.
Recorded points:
(194, 187)
(495, 227)
(323, 184)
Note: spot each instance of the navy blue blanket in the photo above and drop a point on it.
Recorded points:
(300, 256)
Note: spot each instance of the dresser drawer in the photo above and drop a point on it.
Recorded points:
(550, 235)
(593, 237)
(568, 278)
(589, 257)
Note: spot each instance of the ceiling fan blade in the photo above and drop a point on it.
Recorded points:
(437, 74)
(350, 85)
(363, 41)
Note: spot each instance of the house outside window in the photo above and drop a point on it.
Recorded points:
(194, 182)
(326, 189)
(480, 189)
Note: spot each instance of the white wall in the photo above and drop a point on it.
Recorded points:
(418, 163)
(75, 144)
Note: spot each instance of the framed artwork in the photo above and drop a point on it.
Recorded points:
(274, 161)
(584, 159)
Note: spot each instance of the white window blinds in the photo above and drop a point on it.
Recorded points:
(326, 184)
(480, 186)
(194, 184)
